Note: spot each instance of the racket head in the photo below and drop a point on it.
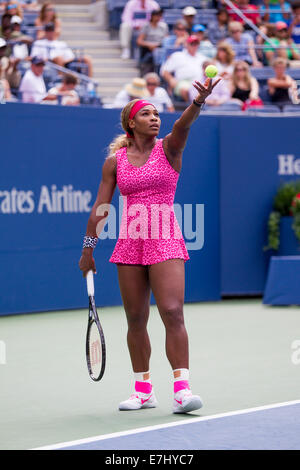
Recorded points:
(95, 344)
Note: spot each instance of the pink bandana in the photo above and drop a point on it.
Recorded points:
(135, 108)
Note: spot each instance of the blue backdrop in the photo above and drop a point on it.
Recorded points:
(50, 171)
(256, 155)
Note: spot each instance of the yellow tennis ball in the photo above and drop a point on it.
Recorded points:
(211, 71)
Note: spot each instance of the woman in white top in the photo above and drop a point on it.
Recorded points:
(158, 95)
(224, 60)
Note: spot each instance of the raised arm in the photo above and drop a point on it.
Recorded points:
(174, 143)
(99, 212)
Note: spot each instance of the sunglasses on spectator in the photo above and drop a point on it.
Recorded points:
(50, 9)
(152, 84)
(180, 29)
(241, 69)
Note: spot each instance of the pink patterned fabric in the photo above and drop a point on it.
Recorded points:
(180, 385)
(144, 387)
(146, 236)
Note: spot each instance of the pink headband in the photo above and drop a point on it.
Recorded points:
(135, 108)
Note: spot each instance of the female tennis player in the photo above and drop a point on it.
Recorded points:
(148, 254)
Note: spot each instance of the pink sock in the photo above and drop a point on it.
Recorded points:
(181, 379)
(144, 387)
(143, 382)
(180, 385)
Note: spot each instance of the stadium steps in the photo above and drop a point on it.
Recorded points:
(80, 31)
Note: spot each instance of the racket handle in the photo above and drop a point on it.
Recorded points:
(90, 283)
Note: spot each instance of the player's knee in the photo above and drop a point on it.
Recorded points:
(173, 316)
(136, 320)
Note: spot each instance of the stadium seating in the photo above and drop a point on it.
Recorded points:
(291, 108)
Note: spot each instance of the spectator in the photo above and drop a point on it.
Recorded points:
(9, 65)
(158, 95)
(175, 40)
(242, 44)
(251, 12)
(136, 89)
(224, 60)
(135, 15)
(217, 30)
(64, 93)
(5, 94)
(57, 51)
(282, 10)
(269, 30)
(29, 4)
(205, 46)
(182, 68)
(20, 49)
(282, 88)
(294, 24)
(150, 38)
(13, 8)
(32, 86)
(282, 39)
(47, 15)
(217, 97)
(189, 14)
(243, 86)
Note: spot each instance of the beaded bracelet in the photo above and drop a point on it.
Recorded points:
(90, 242)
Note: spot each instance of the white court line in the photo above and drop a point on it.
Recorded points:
(163, 426)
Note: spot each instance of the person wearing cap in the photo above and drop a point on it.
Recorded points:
(182, 68)
(205, 46)
(150, 38)
(57, 51)
(19, 50)
(47, 15)
(32, 87)
(283, 38)
(136, 89)
(275, 10)
(135, 15)
(189, 14)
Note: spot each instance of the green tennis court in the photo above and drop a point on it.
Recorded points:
(240, 357)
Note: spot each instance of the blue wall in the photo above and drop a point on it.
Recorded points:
(251, 149)
(231, 165)
(42, 146)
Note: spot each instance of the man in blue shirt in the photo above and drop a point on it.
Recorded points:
(294, 24)
(281, 11)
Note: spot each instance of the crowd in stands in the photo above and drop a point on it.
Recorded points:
(240, 40)
(171, 52)
(35, 65)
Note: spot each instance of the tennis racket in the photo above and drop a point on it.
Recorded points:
(95, 342)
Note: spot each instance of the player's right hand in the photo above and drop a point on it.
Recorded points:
(87, 262)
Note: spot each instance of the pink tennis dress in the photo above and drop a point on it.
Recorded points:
(149, 231)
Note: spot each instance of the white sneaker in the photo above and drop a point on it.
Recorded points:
(125, 54)
(185, 401)
(139, 400)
